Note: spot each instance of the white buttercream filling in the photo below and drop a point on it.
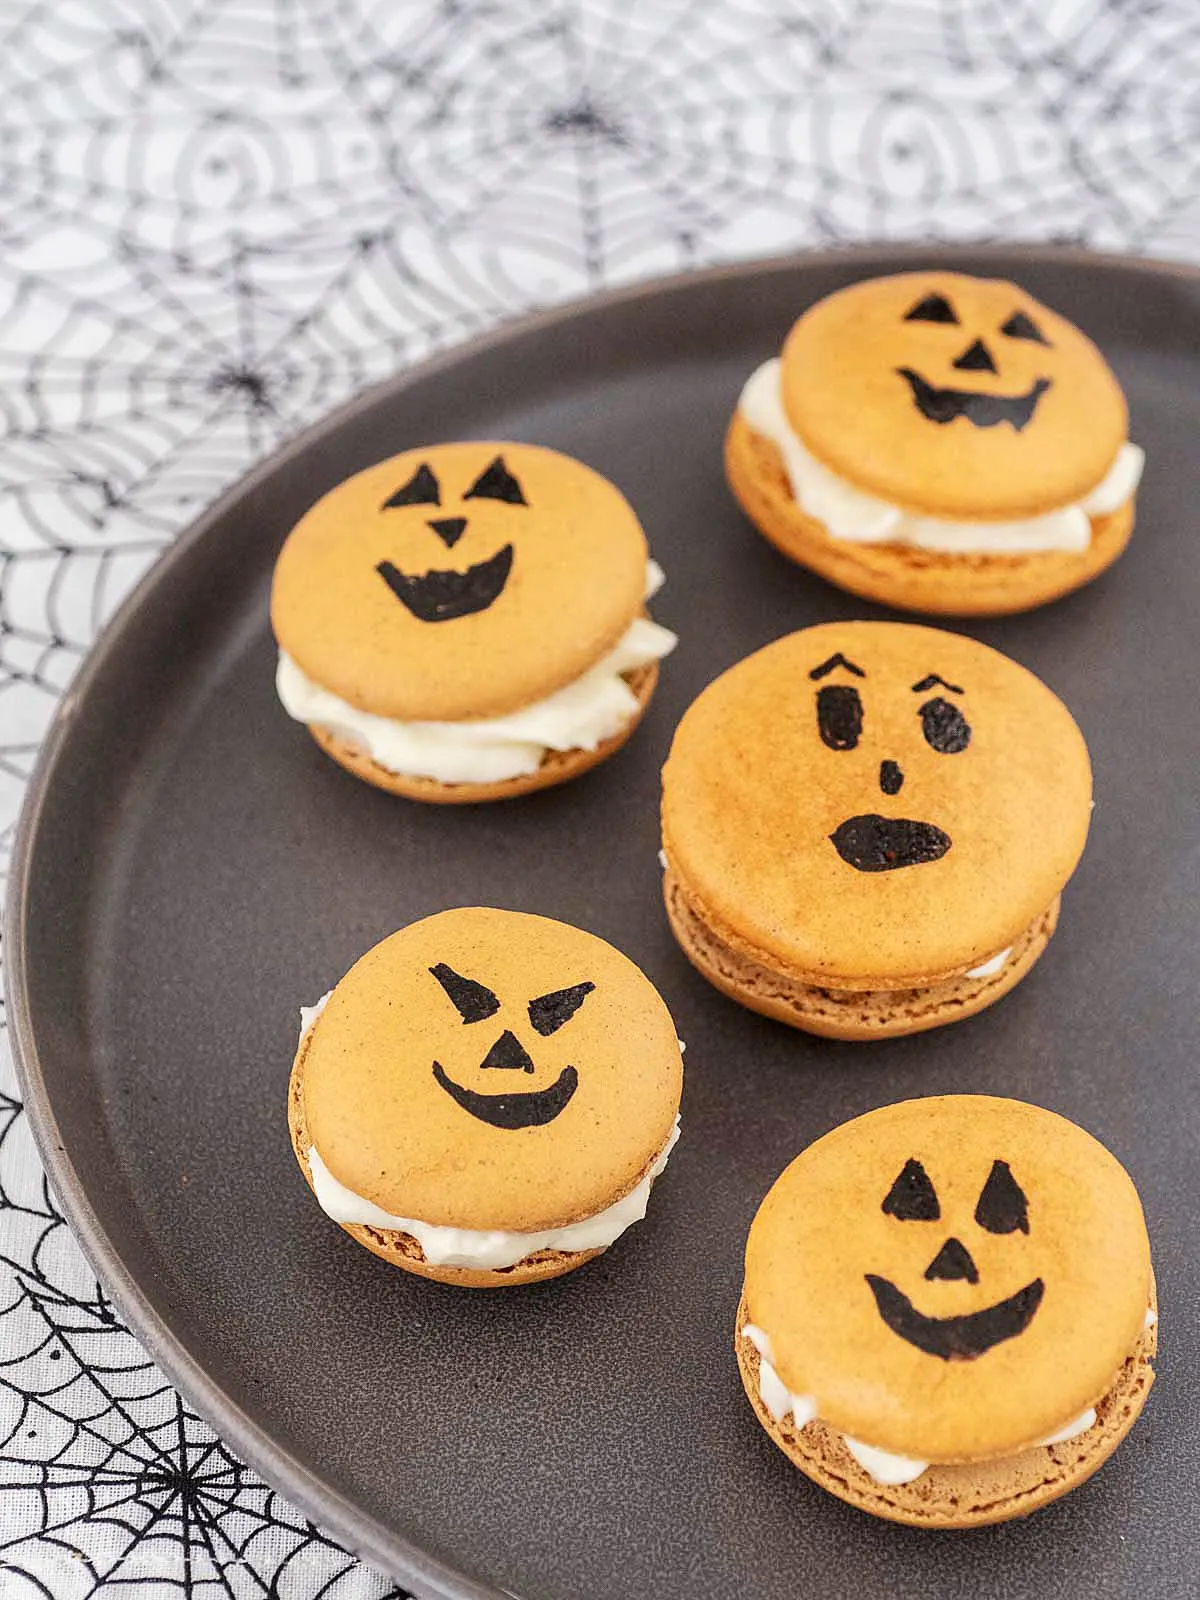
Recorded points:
(882, 1465)
(859, 518)
(494, 1247)
(579, 716)
(987, 969)
(474, 1247)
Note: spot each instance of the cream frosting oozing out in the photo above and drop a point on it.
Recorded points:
(847, 513)
(579, 716)
(492, 1248)
(881, 1465)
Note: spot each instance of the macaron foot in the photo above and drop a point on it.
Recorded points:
(844, 1013)
(967, 1494)
(929, 581)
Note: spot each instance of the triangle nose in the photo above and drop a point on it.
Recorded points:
(449, 529)
(953, 1263)
(508, 1052)
(976, 358)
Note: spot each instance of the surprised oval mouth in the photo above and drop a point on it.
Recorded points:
(437, 596)
(871, 843)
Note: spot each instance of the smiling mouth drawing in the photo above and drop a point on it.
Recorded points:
(530, 1110)
(956, 1338)
(440, 596)
(871, 843)
(981, 410)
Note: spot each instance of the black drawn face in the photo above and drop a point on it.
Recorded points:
(1002, 1208)
(868, 841)
(442, 594)
(982, 352)
(547, 1013)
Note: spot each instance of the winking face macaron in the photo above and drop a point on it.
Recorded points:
(938, 442)
(948, 1315)
(486, 1097)
(467, 622)
(867, 826)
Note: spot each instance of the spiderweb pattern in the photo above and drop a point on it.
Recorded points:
(221, 217)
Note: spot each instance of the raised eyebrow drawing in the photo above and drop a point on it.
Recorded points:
(838, 660)
(929, 681)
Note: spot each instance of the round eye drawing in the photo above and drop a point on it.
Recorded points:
(839, 716)
(945, 728)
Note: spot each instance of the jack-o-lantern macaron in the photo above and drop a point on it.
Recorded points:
(867, 826)
(938, 442)
(467, 621)
(948, 1316)
(486, 1097)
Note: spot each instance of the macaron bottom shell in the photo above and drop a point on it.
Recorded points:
(927, 581)
(557, 766)
(968, 1494)
(847, 1013)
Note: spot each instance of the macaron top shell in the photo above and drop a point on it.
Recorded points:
(953, 1278)
(961, 397)
(459, 581)
(875, 804)
(488, 1069)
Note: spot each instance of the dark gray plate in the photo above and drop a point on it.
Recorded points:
(191, 869)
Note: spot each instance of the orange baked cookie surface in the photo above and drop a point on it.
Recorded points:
(984, 1340)
(867, 827)
(467, 615)
(938, 442)
(486, 1097)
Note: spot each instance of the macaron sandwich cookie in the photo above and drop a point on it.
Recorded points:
(486, 1097)
(948, 1316)
(467, 621)
(938, 442)
(867, 825)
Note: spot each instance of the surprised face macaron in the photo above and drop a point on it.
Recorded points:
(866, 808)
(486, 1097)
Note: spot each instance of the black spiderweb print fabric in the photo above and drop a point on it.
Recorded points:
(221, 217)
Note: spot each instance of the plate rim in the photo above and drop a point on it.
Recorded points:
(361, 1533)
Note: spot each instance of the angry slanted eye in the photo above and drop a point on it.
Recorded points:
(496, 482)
(945, 728)
(1002, 1206)
(473, 1001)
(420, 490)
(1022, 326)
(912, 1198)
(549, 1011)
(933, 308)
(839, 716)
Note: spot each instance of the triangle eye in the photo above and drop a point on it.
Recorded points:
(1021, 326)
(549, 1011)
(912, 1197)
(420, 490)
(473, 1001)
(496, 482)
(933, 308)
(1002, 1206)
